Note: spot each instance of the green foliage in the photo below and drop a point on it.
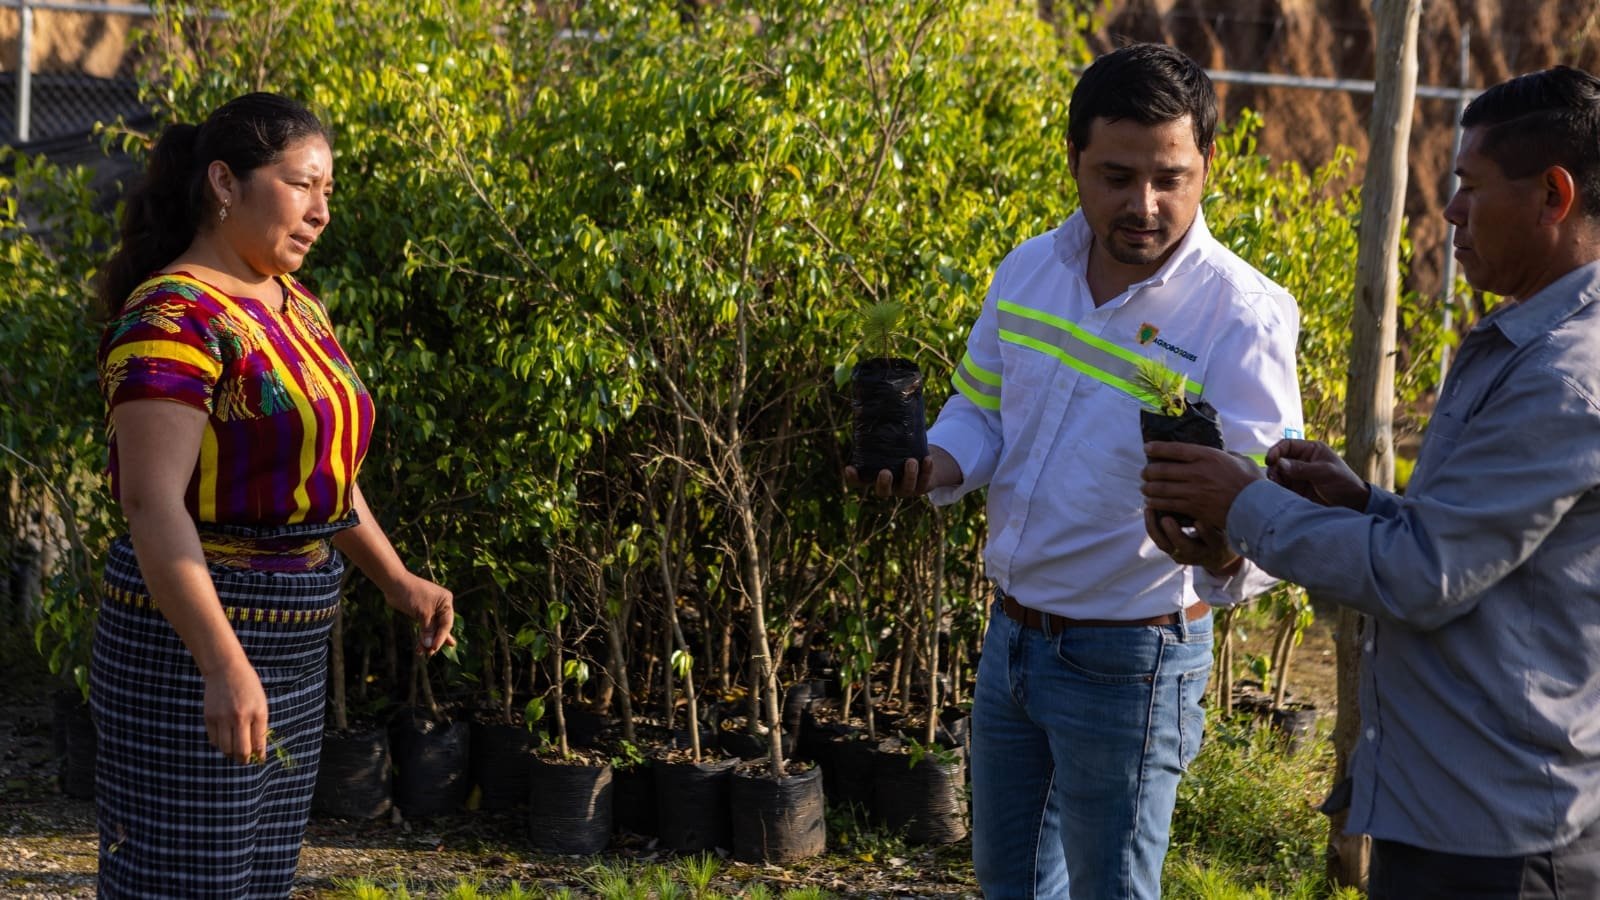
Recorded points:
(627, 756)
(1301, 230)
(1246, 807)
(880, 322)
(1190, 880)
(698, 872)
(51, 456)
(594, 264)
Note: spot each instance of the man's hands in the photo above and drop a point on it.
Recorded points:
(1205, 546)
(1312, 470)
(1203, 483)
(1197, 481)
(917, 477)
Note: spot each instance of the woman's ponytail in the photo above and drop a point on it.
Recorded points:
(158, 218)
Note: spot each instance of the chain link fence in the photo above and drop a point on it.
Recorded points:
(65, 66)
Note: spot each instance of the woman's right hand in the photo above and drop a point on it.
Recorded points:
(236, 713)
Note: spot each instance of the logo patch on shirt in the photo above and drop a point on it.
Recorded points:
(1293, 433)
(1147, 333)
(1174, 348)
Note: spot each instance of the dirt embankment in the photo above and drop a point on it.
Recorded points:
(1335, 39)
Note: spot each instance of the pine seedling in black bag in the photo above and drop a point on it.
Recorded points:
(885, 400)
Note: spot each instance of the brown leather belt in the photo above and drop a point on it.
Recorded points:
(1033, 618)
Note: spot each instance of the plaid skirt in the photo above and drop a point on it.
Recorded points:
(176, 818)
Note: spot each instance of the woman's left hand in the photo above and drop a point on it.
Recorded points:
(430, 605)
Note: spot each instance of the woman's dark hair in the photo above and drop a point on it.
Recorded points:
(171, 203)
(1543, 119)
(1151, 84)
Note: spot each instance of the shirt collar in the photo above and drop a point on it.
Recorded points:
(1073, 238)
(1555, 303)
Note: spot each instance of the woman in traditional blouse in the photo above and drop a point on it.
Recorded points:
(237, 428)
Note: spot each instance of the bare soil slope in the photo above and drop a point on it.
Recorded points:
(1335, 39)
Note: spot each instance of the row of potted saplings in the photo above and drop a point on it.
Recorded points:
(578, 802)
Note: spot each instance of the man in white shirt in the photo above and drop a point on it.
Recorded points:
(1087, 706)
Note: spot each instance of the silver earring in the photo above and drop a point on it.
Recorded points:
(222, 213)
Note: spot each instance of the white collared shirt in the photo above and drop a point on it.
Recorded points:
(1039, 419)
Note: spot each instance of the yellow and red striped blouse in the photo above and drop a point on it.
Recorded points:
(288, 420)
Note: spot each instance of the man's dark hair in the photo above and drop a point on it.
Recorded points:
(1543, 119)
(1149, 83)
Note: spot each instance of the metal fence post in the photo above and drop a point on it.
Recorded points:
(25, 71)
(1448, 321)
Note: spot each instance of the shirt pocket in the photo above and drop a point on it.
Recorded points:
(1438, 442)
(1108, 483)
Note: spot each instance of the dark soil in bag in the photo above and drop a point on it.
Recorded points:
(570, 806)
(927, 800)
(887, 415)
(353, 774)
(502, 757)
(692, 804)
(431, 764)
(778, 821)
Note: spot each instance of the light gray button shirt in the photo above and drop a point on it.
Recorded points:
(1480, 692)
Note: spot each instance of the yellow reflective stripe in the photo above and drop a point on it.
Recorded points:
(308, 421)
(973, 392)
(976, 383)
(1124, 364)
(1259, 459)
(979, 373)
(187, 354)
(1068, 359)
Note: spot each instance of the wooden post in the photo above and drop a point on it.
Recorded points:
(1369, 401)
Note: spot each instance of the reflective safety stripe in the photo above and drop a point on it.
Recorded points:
(978, 384)
(1064, 341)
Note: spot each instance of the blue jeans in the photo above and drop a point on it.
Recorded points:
(1078, 740)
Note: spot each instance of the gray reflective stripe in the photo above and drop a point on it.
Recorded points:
(1072, 346)
(978, 384)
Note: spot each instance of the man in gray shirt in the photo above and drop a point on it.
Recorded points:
(1478, 769)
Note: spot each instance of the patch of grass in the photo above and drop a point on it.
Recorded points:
(1191, 880)
(615, 884)
(807, 893)
(367, 889)
(1248, 809)
(698, 872)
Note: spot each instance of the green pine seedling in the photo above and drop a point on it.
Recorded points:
(880, 327)
(1163, 388)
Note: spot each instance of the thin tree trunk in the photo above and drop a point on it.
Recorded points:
(725, 649)
(760, 650)
(668, 681)
(1282, 652)
(617, 669)
(507, 670)
(1369, 405)
(557, 677)
(488, 664)
(419, 664)
(1224, 662)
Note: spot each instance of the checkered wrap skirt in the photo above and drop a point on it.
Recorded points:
(177, 819)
